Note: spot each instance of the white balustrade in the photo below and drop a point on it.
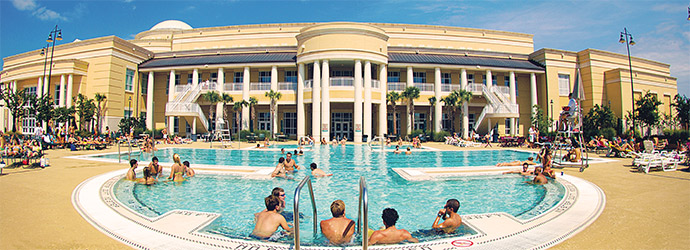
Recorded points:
(375, 84)
(342, 81)
(265, 86)
(287, 86)
(424, 86)
(233, 86)
(396, 86)
(308, 84)
(450, 87)
(475, 88)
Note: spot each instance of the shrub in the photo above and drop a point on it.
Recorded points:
(440, 136)
(608, 133)
(416, 132)
(156, 133)
(674, 135)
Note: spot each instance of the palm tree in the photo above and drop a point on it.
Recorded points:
(410, 93)
(237, 107)
(100, 98)
(450, 101)
(391, 98)
(252, 102)
(463, 96)
(432, 103)
(226, 99)
(213, 97)
(275, 96)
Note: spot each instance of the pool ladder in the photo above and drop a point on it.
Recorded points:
(362, 212)
(376, 140)
(129, 151)
(308, 145)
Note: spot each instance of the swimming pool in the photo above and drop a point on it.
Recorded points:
(236, 199)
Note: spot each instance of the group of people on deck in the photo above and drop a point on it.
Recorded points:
(339, 229)
(178, 171)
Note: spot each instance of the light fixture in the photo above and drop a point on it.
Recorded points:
(43, 51)
(50, 38)
(59, 36)
(631, 40)
(622, 40)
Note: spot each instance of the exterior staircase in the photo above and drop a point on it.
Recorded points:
(498, 103)
(184, 103)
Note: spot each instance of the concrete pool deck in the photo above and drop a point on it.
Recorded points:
(642, 211)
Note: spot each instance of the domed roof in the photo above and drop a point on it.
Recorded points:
(171, 24)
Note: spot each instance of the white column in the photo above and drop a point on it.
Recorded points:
(171, 96)
(39, 87)
(220, 85)
(383, 113)
(358, 102)
(300, 101)
(195, 77)
(465, 109)
(274, 87)
(70, 82)
(533, 91)
(489, 79)
(46, 85)
(513, 100)
(245, 96)
(194, 131)
(149, 101)
(61, 98)
(437, 94)
(325, 100)
(367, 101)
(316, 102)
(410, 77)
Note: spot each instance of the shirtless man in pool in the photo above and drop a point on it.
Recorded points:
(289, 163)
(525, 171)
(267, 222)
(529, 161)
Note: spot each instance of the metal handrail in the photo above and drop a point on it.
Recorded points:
(374, 139)
(295, 214)
(363, 205)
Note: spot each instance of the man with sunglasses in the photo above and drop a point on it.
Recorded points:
(451, 220)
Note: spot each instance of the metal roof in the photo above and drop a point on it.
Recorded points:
(463, 60)
(219, 59)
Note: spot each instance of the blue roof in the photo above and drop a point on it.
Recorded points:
(463, 60)
(219, 59)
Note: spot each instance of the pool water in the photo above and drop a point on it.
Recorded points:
(417, 202)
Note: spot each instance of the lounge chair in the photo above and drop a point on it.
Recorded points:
(618, 151)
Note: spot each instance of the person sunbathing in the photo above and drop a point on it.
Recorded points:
(525, 170)
(573, 155)
(529, 161)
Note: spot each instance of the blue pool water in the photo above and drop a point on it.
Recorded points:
(417, 202)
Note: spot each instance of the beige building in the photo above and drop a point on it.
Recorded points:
(333, 77)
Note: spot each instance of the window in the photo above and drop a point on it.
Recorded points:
(446, 122)
(445, 78)
(563, 84)
(393, 76)
(214, 77)
(265, 76)
(470, 78)
(265, 121)
(56, 99)
(419, 121)
(390, 123)
(470, 121)
(419, 77)
(176, 127)
(239, 77)
(29, 121)
(129, 80)
(177, 79)
(291, 76)
(342, 73)
(190, 77)
(290, 123)
(493, 80)
(144, 83)
(508, 125)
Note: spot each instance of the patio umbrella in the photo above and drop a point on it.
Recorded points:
(578, 90)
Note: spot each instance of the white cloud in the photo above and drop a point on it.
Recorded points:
(128, 1)
(41, 12)
(670, 8)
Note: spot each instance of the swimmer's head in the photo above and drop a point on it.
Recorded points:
(281, 160)
(453, 205)
(530, 158)
(312, 166)
(176, 158)
(186, 163)
(272, 202)
(258, 145)
(147, 172)
(408, 148)
(301, 152)
(390, 217)
(397, 147)
(525, 166)
(337, 208)
(276, 191)
(295, 151)
(132, 162)
(537, 170)
(288, 155)
(154, 159)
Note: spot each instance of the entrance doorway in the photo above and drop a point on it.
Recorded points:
(341, 125)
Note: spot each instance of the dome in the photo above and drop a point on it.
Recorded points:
(172, 24)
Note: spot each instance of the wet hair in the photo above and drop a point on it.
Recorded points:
(186, 163)
(312, 166)
(271, 202)
(147, 172)
(453, 204)
(295, 151)
(176, 158)
(537, 169)
(281, 160)
(390, 217)
(132, 162)
(276, 191)
(525, 165)
(288, 154)
(258, 145)
(337, 208)
(154, 159)
(530, 158)
(408, 148)
(301, 152)
(397, 147)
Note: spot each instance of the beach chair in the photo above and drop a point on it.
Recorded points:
(619, 152)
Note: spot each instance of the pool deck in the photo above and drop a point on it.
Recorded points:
(643, 211)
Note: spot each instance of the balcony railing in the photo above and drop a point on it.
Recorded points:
(208, 85)
(396, 86)
(233, 86)
(449, 87)
(424, 86)
(342, 81)
(287, 86)
(265, 86)
(475, 87)
(182, 88)
(502, 89)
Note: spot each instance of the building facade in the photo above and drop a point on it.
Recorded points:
(333, 78)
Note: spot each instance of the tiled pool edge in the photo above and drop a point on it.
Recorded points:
(95, 201)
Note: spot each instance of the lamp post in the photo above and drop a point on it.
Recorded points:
(58, 36)
(628, 40)
(551, 125)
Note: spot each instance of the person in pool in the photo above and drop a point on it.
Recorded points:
(282, 151)
(451, 220)
(131, 175)
(279, 193)
(525, 170)
(529, 161)
(339, 229)
(189, 172)
(323, 141)
(407, 152)
(300, 152)
(177, 170)
(290, 164)
(539, 178)
(155, 168)
(148, 177)
(390, 235)
(397, 150)
(279, 171)
(317, 172)
(267, 222)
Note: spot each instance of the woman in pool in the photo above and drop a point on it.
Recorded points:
(189, 172)
(397, 150)
(266, 142)
(148, 179)
(177, 170)
(279, 171)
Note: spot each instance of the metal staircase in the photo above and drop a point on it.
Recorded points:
(498, 103)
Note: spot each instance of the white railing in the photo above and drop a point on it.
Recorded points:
(233, 86)
(424, 86)
(188, 108)
(287, 86)
(449, 87)
(342, 81)
(475, 88)
(260, 86)
(375, 84)
(308, 84)
(206, 86)
(396, 86)
(501, 89)
(182, 88)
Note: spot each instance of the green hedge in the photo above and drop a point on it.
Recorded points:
(675, 135)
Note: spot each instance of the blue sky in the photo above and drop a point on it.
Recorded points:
(660, 28)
